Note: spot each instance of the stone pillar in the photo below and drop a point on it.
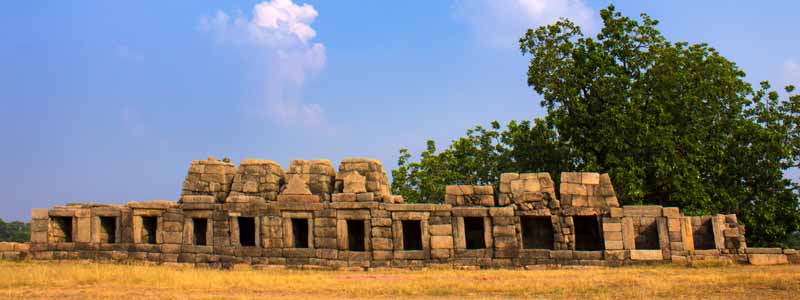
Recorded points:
(504, 232)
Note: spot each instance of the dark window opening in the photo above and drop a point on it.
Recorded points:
(300, 232)
(62, 229)
(412, 235)
(149, 227)
(247, 231)
(108, 230)
(199, 231)
(587, 233)
(537, 233)
(647, 236)
(474, 233)
(355, 235)
(703, 236)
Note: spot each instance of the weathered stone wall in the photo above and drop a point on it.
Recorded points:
(209, 177)
(310, 216)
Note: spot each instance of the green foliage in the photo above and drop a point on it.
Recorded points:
(480, 158)
(15, 231)
(674, 124)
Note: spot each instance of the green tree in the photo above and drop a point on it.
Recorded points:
(674, 124)
(14, 231)
(479, 158)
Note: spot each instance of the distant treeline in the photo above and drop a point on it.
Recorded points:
(15, 231)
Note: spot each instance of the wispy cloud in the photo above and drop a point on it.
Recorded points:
(791, 72)
(281, 32)
(500, 23)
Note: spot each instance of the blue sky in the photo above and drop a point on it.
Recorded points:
(108, 101)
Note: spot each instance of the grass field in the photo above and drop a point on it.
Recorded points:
(72, 280)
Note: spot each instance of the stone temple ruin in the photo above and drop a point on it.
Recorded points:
(311, 216)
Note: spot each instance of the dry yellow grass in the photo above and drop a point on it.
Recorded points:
(52, 280)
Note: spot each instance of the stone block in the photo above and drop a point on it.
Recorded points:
(365, 197)
(507, 178)
(442, 229)
(628, 234)
(327, 243)
(767, 259)
(503, 199)
(418, 207)
(616, 212)
(613, 245)
(440, 253)
(500, 221)
(570, 177)
(381, 244)
(354, 183)
(296, 186)
(470, 212)
(678, 246)
(170, 248)
(169, 237)
(590, 178)
(671, 212)
(562, 254)
(483, 189)
(384, 232)
(674, 224)
(381, 222)
(501, 242)
(39, 213)
(154, 204)
(382, 255)
(613, 236)
(618, 255)
(459, 190)
(764, 251)
(298, 198)
(646, 255)
(484, 200)
(612, 226)
(6, 246)
(589, 255)
(508, 230)
(22, 247)
(642, 210)
(507, 211)
(441, 242)
(173, 226)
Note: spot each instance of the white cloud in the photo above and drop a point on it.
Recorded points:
(500, 23)
(281, 32)
(791, 72)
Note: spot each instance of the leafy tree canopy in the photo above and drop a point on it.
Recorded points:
(14, 232)
(674, 124)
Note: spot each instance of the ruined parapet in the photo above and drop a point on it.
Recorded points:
(256, 180)
(209, 178)
(584, 189)
(316, 175)
(376, 181)
(296, 190)
(732, 232)
(469, 195)
(354, 189)
(522, 223)
(528, 191)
